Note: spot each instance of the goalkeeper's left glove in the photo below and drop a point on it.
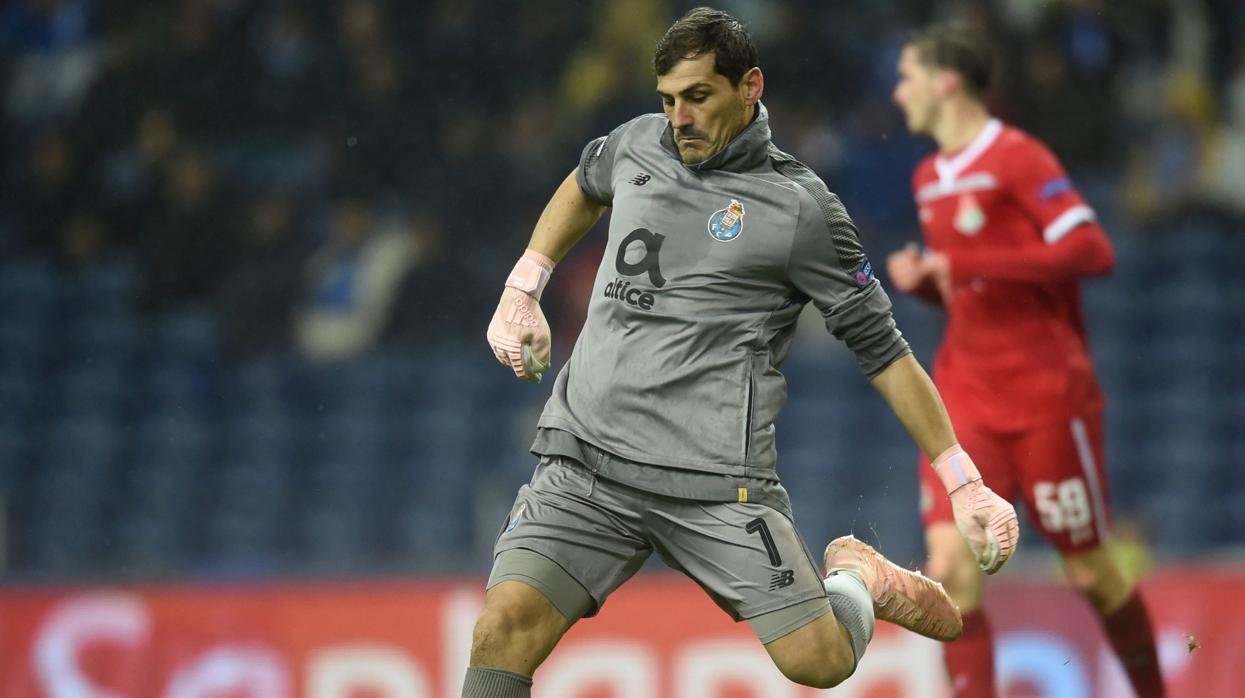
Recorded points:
(986, 521)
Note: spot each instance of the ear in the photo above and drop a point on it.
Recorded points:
(751, 85)
(946, 82)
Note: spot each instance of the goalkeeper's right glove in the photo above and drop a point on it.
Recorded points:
(518, 333)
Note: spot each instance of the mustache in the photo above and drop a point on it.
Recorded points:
(689, 133)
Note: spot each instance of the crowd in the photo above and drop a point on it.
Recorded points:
(288, 195)
(328, 175)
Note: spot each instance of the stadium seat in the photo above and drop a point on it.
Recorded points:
(99, 386)
(65, 543)
(17, 390)
(12, 446)
(352, 432)
(335, 537)
(262, 379)
(29, 283)
(145, 547)
(111, 335)
(247, 507)
(188, 335)
(25, 338)
(104, 287)
(177, 386)
(263, 431)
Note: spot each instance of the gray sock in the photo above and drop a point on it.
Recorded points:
(495, 683)
(853, 607)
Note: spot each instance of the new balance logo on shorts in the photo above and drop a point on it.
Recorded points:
(782, 580)
(640, 179)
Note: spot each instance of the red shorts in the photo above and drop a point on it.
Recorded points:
(1057, 468)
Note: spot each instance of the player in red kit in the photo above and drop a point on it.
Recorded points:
(1007, 238)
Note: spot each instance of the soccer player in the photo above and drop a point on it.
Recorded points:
(1007, 237)
(659, 434)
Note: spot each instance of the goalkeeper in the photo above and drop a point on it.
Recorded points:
(659, 433)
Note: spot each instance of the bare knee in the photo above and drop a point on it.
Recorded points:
(1096, 575)
(517, 629)
(951, 563)
(826, 671)
(817, 655)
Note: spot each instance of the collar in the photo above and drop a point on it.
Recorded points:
(746, 150)
(950, 168)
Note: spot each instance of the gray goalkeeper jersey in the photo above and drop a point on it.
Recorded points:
(695, 303)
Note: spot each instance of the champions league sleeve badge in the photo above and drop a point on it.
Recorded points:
(726, 225)
(863, 274)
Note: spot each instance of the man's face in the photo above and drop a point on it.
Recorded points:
(704, 108)
(916, 92)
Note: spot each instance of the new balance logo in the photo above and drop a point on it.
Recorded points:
(782, 580)
(640, 179)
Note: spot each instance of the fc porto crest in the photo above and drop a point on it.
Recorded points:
(726, 225)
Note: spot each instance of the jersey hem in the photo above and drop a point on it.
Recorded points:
(653, 459)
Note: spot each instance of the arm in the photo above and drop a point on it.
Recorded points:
(566, 218)
(908, 275)
(915, 401)
(986, 521)
(858, 312)
(1070, 244)
(928, 291)
(1083, 252)
(518, 333)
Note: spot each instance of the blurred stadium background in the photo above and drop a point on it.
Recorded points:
(248, 250)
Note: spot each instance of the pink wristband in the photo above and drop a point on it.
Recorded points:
(531, 273)
(955, 468)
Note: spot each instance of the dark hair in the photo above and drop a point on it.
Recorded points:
(702, 30)
(959, 47)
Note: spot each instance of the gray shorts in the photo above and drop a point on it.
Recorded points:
(577, 538)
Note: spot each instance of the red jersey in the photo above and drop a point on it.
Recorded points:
(1018, 237)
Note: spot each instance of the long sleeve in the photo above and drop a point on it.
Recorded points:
(927, 291)
(1071, 244)
(827, 262)
(1081, 252)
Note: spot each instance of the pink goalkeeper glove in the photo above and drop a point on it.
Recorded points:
(986, 520)
(518, 332)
